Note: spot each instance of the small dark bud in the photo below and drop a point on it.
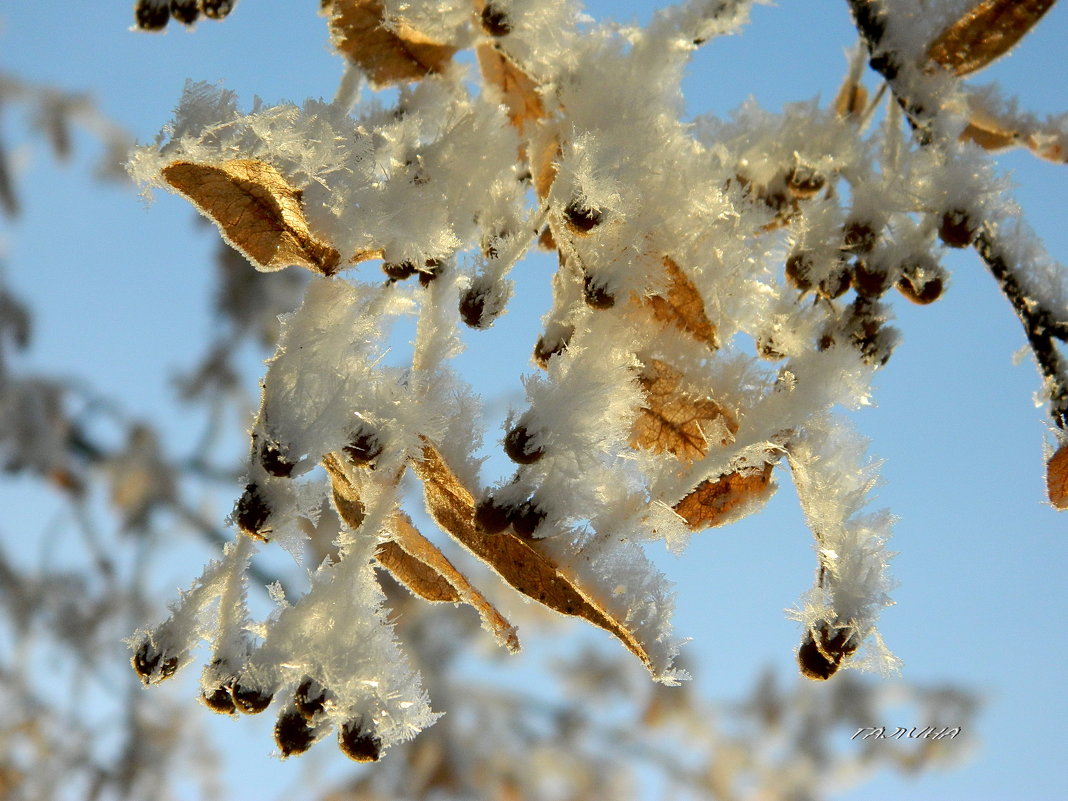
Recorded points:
(358, 743)
(517, 446)
(923, 293)
(804, 182)
(473, 306)
(526, 519)
(543, 350)
(582, 220)
(799, 271)
(185, 11)
(826, 342)
(870, 281)
(152, 664)
(430, 271)
(858, 236)
(310, 698)
(595, 295)
(956, 229)
(292, 733)
(274, 462)
(819, 659)
(219, 700)
(150, 16)
(252, 512)
(363, 449)
(836, 284)
(217, 9)
(398, 271)
(495, 22)
(491, 518)
(250, 700)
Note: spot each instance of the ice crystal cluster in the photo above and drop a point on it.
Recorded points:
(722, 289)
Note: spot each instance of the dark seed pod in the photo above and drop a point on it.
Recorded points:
(473, 307)
(398, 271)
(250, 700)
(491, 518)
(292, 733)
(527, 518)
(835, 284)
(273, 460)
(152, 664)
(956, 229)
(799, 271)
(870, 281)
(495, 22)
(310, 698)
(152, 15)
(358, 743)
(826, 341)
(517, 446)
(819, 659)
(545, 349)
(185, 11)
(803, 182)
(581, 220)
(858, 236)
(252, 512)
(595, 295)
(219, 700)
(430, 271)
(922, 282)
(363, 449)
(217, 9)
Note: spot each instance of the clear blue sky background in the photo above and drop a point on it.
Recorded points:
(120, 295)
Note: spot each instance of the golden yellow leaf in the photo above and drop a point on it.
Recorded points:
(413, 560)
(1057, 478)
(257, 211)
(852, 98)
(672, 419)
(518, 90)
(717, 501)
(389, 53)
(986, 32)
(516, 560)
(682, 306)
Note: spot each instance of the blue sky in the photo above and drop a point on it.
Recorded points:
(120, 295)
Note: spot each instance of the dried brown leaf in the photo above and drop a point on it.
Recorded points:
(389, 52)
(1057, 478)
(257, 211)
(518, 90)
(517, 561)
(993, 131)
(682, 306)
(717, 501)
(417, 576)
(672, 419)
(986, 32)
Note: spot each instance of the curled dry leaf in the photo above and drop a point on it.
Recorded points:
(415, 561)
(682, 306)
(518, 90)
(673, 420)
(992, 131)
(517, 561)
(985, 33)
(1057, 477)
(390, 52)
(257, 211)
(717, 501)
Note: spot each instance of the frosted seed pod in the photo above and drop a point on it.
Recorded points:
(517, 446)
(491, 518)
(799, 270)
(473, 306)
(398, 271)
(431, 270)
(858, 236)
(580, 219)
(216, 9)
(803, 182)
(249, 699)
(274, 460)
(956, 228)
(219, 700)
(596, 295)
(495, 22)
(820, 657)
(252, 513)
(870, 281)
(359, 743)
(310, 698)
(527, 518)
(185, 11)
(152, 15)
(836, 283)
(363, 448)
(292, 733)
(922, 281)
(547, 347)
(152, 664)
